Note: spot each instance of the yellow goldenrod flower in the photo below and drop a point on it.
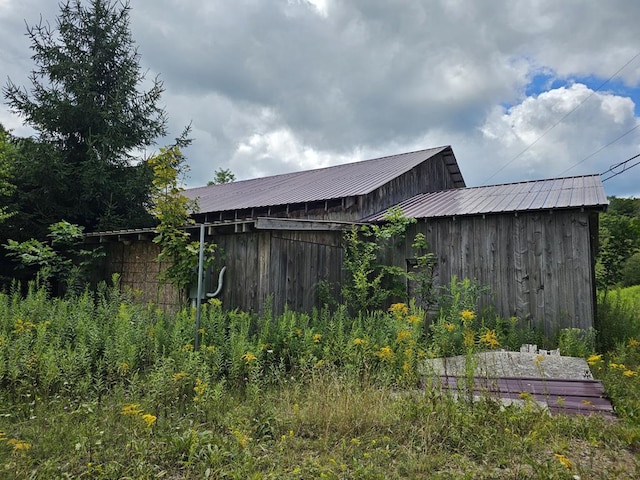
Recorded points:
(385, 353)
(215, 302)
(149, 419)
(18, 445)
(399, 310)
(413, 319)
(403, 335)
(593, 359)
(566, 463)
(467, 316)
(450, 327)
(634, 343)
(179, 376)
(359, 341)
(629, 373)
(490, 339)
(249, 357)
(131, 409)
(199, 389)
(316, 338)
(123, 368)
(406, 367)
(469, 338)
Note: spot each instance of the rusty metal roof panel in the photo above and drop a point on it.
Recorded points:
(339, 181)
(571, 192)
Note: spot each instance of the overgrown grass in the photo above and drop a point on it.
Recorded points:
(99, 387)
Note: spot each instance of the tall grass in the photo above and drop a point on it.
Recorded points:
(97, 386)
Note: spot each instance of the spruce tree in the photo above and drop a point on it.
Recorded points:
(91, 118)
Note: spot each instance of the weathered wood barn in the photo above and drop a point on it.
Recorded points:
(532, 243)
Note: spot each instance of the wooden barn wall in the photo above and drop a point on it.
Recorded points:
(138, 269)
(430, 176)
(289, 265)
(538, 266)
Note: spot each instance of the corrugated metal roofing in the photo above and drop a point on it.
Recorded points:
(567, 396)
(570, 192)
(328, 183)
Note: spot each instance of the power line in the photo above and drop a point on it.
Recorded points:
(600, 149)
(611, 171)
(562, 119)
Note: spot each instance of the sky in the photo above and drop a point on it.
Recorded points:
(521, 89)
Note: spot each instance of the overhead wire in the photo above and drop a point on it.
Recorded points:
(562, 118)
(611, 170)
(600, 149)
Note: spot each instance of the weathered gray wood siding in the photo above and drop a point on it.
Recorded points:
(288, 265)
(538, 266)
(430, 176)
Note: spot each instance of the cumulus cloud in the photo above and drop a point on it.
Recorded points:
(280, 85)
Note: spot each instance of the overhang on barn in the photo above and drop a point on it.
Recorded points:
(532, 243)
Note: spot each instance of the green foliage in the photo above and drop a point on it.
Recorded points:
(84, 102)
(576, 342)
(619, 239)
(7, 154)
(222, 175)
(423, 272)
(370, 283)
(63, 258)
(173, 211)
(96, 386)
(631, 271)
(617, 318)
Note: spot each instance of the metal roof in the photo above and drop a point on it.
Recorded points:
(560, 396)
(570, 192)
(328, 183)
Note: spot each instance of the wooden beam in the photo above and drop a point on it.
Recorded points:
(266, 223)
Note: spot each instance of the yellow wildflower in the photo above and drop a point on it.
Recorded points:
(199, 389)
(634, 343)
(469, 338)
(399, 310)
(450, 327)
(123, 369)
(18, 445)
(179, 376)
(249, 357)
(149, 419)
(406, 367)
(490, 339)
(629, 373)
(215, 302)
(403, 335)
(566, 463)
(467, 316)
(593, 359)
(385, 353)
(413, 319)
(359, 341)
(316, 338)
(131, 409)
(356, 441)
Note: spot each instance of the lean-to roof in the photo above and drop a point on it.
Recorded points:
(559, 193)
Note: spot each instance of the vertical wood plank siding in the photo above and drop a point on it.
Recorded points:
(538, 266)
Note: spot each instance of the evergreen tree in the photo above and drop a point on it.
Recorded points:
(90, 116)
